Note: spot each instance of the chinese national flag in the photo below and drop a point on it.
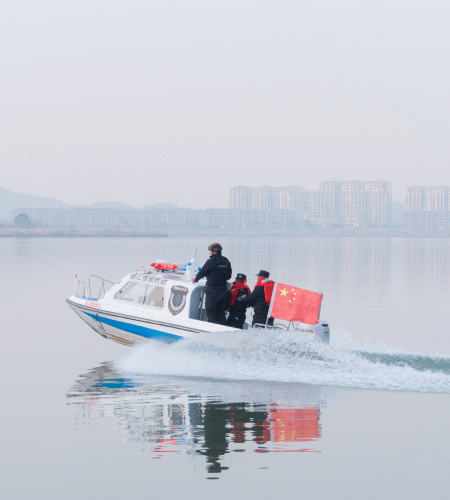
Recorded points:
(295, 304)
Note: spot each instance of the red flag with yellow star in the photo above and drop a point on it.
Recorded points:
(294, 304)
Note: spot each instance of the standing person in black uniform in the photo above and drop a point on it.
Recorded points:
(237, 308)
(260, 298)
(217, 270)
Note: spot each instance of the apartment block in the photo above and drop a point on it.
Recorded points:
(426, 220)
(241, 197)
(335, 203)
(427, 199)
(102, 218)
(426, 207)
(359, 203)
(263, 198)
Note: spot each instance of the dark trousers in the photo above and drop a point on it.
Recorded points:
(261, 318)
(216, 303)
(236, 321)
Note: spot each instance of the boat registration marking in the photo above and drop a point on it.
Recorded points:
(150, 279)
(92, 304)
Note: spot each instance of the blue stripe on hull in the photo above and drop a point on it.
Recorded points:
(142, 331)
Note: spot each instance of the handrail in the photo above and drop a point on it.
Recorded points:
(84, 294)
(102, 285)
(99, 277)
(277, 326)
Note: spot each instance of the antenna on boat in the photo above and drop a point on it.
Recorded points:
(191, 268)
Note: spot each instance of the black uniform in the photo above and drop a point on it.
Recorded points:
(257, 300)
(236, 319)
(217, 270)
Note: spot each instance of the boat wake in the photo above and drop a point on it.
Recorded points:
(284, 357)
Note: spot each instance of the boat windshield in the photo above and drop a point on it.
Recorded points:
(142, 293)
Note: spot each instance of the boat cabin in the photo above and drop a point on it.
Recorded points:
(162, 292)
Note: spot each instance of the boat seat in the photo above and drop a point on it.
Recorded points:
(155, 298)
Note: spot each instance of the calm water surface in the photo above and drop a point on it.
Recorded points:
(248, 415)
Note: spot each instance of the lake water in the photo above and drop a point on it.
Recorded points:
(248, 415)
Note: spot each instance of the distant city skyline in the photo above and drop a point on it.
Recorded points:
(335, 204)
(32, 200)
(10, 200)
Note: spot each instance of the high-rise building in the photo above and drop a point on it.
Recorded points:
(336, 203)
(359, 203)
(425, 198)
(241, 197)
(298, 200)
(426, 207)
(264, 197)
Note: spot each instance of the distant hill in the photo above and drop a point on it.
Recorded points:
(10, 201)
(162, 204)
(110, 204)
(125, 206)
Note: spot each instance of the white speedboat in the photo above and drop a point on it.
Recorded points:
(158, 303)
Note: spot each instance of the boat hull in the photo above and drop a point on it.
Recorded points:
(131, 330)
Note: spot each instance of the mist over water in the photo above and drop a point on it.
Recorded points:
(284, 357)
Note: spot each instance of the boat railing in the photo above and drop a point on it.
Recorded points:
(276, 326)
(102, 287)
(81, 288)
(79, 282)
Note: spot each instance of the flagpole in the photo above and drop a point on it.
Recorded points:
(320, 307)
(271, 301)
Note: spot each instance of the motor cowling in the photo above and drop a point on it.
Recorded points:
(322, 332)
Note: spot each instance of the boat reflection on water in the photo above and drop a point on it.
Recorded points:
(196, 417)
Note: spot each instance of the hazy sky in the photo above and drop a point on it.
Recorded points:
(143, 101)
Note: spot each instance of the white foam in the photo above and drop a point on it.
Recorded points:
(286, 357)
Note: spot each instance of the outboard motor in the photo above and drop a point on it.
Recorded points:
(322, 332)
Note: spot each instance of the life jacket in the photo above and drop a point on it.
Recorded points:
(238, 285)
(268, 288)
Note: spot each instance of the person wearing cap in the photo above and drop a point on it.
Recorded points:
(260, 299)
(217, 271)
(237, 308)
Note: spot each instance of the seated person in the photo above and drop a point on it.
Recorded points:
(237, 308)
